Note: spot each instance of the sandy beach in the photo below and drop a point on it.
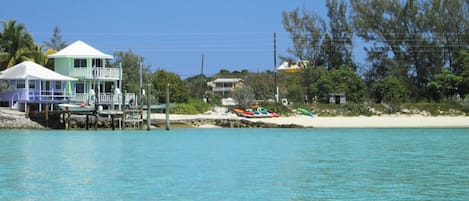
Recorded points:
(12, 119)
(391, 121)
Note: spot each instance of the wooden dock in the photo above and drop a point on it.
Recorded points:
(123, 117)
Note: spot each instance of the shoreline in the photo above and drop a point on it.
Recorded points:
(383, 121)
(11, 119)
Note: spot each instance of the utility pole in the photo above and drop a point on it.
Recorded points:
(275, 67)
(201, 77)
(148, 107)
(167, 108)
(140, 96)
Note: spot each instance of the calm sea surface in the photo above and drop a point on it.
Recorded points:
(235, 164)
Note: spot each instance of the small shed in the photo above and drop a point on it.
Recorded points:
(337, 98)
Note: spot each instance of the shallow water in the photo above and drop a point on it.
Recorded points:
(235, 164)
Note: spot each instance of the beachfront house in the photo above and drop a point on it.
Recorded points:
(96, 80)
(28, 83)
(225, 86)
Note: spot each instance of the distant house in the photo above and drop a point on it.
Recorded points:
(89, 65)
(293, 67)
(31, 83)
(225, 86)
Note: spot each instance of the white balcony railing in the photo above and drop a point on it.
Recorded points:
(222, 89)
(106, 98)
(99, 73)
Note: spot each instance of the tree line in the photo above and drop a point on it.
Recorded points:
(416, 50)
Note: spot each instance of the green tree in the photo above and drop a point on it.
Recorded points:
(342, 80)
(307, 31)
(244, 95)
(389, 90)
(224, 73)
(291, 86)
(310, 76)
(131, 70)
(178, 91)
(197, 86)
(412, 40)
(56, 42)
(322, 45)
(337, 46)
(262, 84)
(16, 44)
(448, 21)
(462, 62)
(445, 84)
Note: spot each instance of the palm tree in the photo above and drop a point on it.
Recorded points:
(16, 45)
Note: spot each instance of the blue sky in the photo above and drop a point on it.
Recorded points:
(169, 34)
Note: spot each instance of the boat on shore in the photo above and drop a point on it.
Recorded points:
(305, 112)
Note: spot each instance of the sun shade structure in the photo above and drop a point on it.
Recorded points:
(29, 70)
(80, 49)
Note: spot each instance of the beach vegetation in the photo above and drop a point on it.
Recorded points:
(444, 85)
(389, 90)
(433, 108)
(416, 59)
(178, 91)
(340, 80)
(349, 109)
(244, 96)
(416, 51)
(262, 84)
(197, 86)
(192, 106)
(131, 70)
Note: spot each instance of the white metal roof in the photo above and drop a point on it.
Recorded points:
(80, 49)
(227, 80)
(31, 71)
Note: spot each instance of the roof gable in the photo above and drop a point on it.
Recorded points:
(80, 49)
(31, 71)
(227, 80)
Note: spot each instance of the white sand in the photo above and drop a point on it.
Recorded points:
(374, 121)
(393, 121)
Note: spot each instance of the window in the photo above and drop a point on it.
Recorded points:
(97, 62)
(80, 63)
(45, 85)
(32, 84)
(58, 85)
(80, 88)
(20, 84)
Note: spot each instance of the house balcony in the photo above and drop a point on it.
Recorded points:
(105, 98)
(222, 89)
(97, 73)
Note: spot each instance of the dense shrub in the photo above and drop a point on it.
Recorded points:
(193, 106)
(435, 109)
(349, 109)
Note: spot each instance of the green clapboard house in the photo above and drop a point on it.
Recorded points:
(97, 81)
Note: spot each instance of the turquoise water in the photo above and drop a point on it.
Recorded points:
(235, 164)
